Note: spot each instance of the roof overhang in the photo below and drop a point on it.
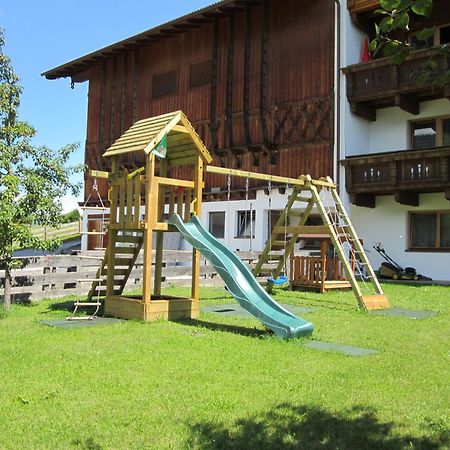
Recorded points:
(78, 69)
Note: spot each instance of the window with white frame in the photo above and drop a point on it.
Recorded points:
(429, 230)
(246, 224)
(430, 133)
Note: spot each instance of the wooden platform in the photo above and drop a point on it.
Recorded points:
(159, 308)
(322, 287)
(319, 273)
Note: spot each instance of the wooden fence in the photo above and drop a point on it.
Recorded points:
(56, 275)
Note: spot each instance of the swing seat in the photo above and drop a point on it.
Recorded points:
(278, 281)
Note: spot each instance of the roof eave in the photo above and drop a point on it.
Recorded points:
(169, 29)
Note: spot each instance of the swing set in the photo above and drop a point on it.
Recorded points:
(164, 143)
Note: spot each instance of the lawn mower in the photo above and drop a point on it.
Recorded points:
(390, 269)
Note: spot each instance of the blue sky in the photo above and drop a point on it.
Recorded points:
(41, 35)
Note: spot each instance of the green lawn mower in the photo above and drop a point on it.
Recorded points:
(390, 269)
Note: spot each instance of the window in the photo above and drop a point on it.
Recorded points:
(440, 37)
(444, 35)
(430, 133)
(429, 230)
(217, 224)
(246, 224)
(311, 243)
(424, 134)
(200, 73)
(165, 84)
(419, 44)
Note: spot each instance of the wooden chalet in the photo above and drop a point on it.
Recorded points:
(380, 83)
(255, 77)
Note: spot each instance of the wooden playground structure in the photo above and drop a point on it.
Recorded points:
(168, 141)
(322, 272)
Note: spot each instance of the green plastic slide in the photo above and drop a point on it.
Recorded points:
(240, 281)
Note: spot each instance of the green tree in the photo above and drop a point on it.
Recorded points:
(31, 178)
(396, 18)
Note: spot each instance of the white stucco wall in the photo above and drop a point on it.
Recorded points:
(390, 132)
(388, 224)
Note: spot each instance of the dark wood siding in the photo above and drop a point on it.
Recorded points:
(270, 109)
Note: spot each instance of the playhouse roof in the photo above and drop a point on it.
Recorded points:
(183, 143)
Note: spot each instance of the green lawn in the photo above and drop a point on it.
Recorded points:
(223, 383)
(65, 231)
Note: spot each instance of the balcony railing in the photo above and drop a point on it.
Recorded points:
(380, 83)
(357, 6)
(405, 174)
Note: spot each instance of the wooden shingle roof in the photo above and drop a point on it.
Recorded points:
(183, 142)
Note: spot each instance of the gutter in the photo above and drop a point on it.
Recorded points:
(337, 96)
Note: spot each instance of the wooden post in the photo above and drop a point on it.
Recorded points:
(160, 234)
(112, 235)
(149, 220)
(195, 286)
(129, 216)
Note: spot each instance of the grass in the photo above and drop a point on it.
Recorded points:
(224, 383)
(65, 231)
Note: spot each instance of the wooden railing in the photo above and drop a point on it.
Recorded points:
(425, 170)
(357, 6)
(318, 272)
(381, 83)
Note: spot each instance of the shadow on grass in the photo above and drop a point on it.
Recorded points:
(292, 427)
(323, 302)
(252, 332)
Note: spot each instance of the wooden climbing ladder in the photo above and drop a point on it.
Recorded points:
(325, 199)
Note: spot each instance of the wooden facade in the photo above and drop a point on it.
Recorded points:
(254, 77)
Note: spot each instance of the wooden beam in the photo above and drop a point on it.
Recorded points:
(180, 129)
(195, 285)
(408, 103)
(150, 220)
(160, 234)
(364, 111)
(364, 200)
(98, 174)
(407, 198)
(300, 181)
(174, 182)
(306, 230)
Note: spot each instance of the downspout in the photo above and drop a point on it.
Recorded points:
(337, 95)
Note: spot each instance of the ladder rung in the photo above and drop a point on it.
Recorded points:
(116, 272)
(93, 233)
(99, 258)
(299, 198)
(87, 304)
(130, 239)
(95, 208)
(282, 243)
(125, 250)
(123, 261)
(90, 280)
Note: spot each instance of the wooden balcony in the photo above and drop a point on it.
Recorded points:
(405, 174)
(381, 83)
(358, 6)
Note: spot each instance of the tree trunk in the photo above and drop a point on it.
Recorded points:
(7, 291)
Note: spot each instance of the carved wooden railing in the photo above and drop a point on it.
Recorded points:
(357, 6)
(380, 83)
(426, 170)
